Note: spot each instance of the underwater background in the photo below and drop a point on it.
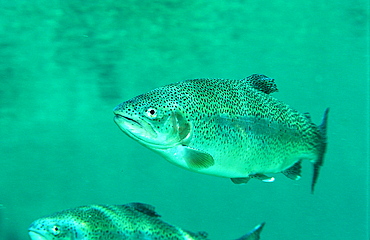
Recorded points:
(64, 65)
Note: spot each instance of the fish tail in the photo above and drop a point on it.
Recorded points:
(254, 234)
(321, 148)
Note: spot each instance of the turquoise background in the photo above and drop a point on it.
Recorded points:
(64, 65)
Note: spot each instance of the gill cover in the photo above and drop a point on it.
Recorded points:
(175, 130)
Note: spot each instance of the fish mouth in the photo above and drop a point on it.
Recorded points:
(128, 124)
(36, 235)
(141, 131)
(119, 117)
(137, 129)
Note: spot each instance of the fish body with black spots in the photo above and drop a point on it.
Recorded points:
(227, 128)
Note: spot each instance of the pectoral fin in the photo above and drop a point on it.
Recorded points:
(294, 172)
(197, 159)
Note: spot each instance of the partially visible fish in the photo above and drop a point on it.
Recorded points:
(225, 128)
(134, 221)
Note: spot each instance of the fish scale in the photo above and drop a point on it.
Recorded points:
(227, 128)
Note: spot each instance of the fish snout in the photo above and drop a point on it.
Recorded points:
(117, 109)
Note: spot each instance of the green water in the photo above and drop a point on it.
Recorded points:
(64, 65)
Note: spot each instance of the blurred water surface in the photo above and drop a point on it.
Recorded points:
(64, 65)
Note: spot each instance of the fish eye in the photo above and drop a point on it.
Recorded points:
(151, 113)
(56, 230)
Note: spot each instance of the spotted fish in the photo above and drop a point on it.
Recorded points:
(227, 128)
(134, 221)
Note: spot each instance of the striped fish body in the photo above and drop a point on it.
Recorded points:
(103, 222)
(133, 221)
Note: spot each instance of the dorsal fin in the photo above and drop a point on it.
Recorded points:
(307, 115)
(198, 235)
(262, 83)
(144, 208)
(254, 234)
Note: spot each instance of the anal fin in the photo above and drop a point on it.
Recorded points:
(294, 172)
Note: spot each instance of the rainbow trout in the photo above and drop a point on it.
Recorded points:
(132, 221)
(225, 128)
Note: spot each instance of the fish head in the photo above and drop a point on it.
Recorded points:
(51, 229)
(154, 119)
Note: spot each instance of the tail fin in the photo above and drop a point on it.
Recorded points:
(322, 148)
(254, 234)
